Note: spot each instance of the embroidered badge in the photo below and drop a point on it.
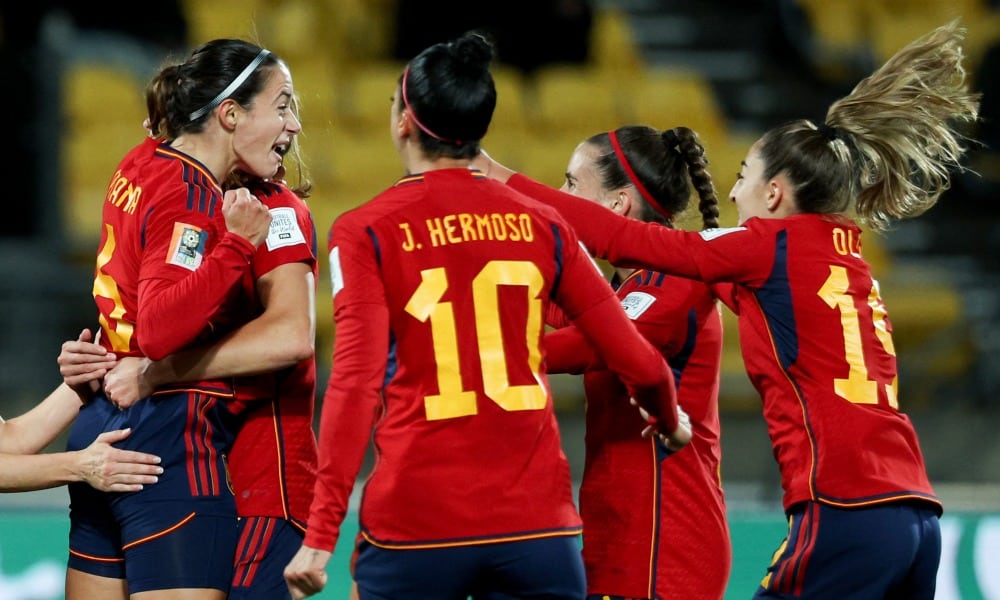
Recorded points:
(285, 230)
(336, 274)
(187, 246)
(637, 303)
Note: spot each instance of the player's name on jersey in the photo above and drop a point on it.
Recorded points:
(467, 227)
(123, 192)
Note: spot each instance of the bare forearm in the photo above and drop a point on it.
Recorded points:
(281, 337)
(20, 473)
(34, 430)
(257, 347)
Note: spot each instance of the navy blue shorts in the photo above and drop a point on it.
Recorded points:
(266, 546)
(549, 568)
(183, 550)
(180, 532)
(890, 551)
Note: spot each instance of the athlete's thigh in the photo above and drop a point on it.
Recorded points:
(550, 568)
(265, 547)
(86, 586)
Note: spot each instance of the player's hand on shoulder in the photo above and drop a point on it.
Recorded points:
(245, 215)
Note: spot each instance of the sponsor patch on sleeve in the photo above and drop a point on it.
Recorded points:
(285, 230)
(336, 274)
(187, 246)
(637, 303)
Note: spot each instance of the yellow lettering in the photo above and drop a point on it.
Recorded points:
(527, 233)
(468, 227)
(133, 199)
(510, 219)
(449, 228)
(122, 191)
(839, 241)
(845, 243)
(483, 229)
(468, 233)
(408, 244)
(498, 229)
(436, 232)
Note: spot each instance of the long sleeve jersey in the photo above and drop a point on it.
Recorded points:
(274, 457)
(654, 525)
(440, 286)
(815, 337)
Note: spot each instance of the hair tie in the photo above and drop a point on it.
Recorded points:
(413, 114)
(635, 180)
(828, 131)
(670, 137)
(232, 87)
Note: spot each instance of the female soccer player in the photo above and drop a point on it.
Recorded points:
(815, 334)
(174, 257)
(272, 464)
(654, 526)
(440, 285)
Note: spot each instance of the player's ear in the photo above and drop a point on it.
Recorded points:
(228, 114)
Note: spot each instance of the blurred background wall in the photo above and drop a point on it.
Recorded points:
(73, 77)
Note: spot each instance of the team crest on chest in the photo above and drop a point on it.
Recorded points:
(187, 246)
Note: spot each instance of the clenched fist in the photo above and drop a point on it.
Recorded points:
(246, 216)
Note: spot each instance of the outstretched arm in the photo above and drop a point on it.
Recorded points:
(100, 465)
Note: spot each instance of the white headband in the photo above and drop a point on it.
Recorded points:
(232, 87)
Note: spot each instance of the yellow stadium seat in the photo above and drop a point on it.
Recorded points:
(511, 116)
(665, 98)
(896, 23)
(93, 143)
(612, 42)
(364, 98)
(577, 99)
(837, 26)
(208, 20)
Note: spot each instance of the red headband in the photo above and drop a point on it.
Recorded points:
(413, 115)
(635, 180)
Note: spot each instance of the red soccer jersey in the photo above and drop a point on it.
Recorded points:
(654, 527)
(440, 286)
(815, 337)
(167, 270)
(273, 461)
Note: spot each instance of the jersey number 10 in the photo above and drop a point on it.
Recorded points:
(425, 304)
